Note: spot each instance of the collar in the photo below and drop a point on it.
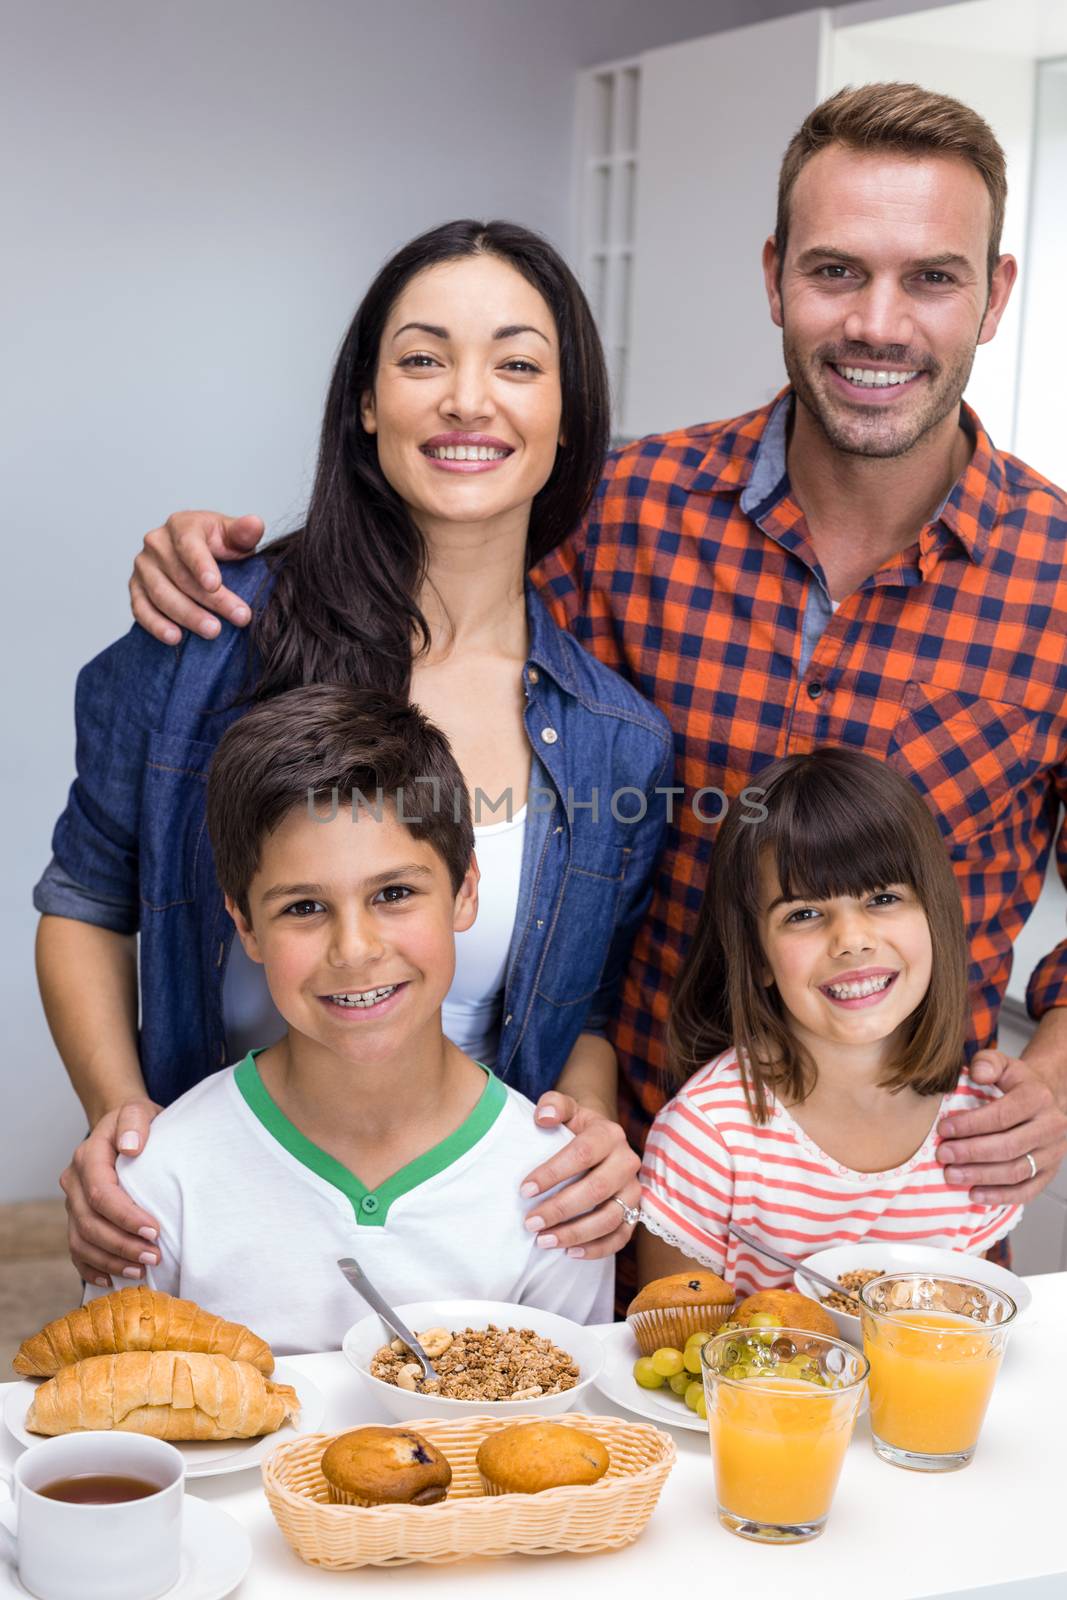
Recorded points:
(749, 457)
(548, 644)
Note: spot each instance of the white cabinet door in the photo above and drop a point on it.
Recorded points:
(716, 115)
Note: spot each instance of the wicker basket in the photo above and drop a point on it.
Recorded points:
(599, 1516)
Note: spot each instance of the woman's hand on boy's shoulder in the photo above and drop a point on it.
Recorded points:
(108, 1234)
(597, 1168)
(176, 579)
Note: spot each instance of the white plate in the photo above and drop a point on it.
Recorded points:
(616, 1381)
(907, 1258)
(203, 1459)
(216, 1554)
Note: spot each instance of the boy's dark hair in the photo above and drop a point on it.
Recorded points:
(332, 742)
(838, 823)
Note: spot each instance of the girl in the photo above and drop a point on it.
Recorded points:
(827, 983)
(464, 435)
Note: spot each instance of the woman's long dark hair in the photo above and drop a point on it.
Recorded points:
(344, 603)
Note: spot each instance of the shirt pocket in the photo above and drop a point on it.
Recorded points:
(586, 916)
(174, 841)
(968, 755)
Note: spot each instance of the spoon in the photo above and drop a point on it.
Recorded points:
(362, 1285)
(794, 1266)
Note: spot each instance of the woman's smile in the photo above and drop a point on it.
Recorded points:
(466, 452)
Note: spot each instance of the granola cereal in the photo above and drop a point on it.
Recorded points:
(853, 1282)
(486, 1364)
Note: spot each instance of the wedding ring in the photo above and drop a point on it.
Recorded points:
(1033, 1164)
(631, 1213)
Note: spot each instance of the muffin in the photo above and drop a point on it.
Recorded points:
(385, 1467)
(668, 1310)
(795, 1311)
(531, 1456)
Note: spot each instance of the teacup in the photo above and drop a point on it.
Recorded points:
(125, 1550)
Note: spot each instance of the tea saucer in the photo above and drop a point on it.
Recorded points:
(203, 1458)
(216, 1554)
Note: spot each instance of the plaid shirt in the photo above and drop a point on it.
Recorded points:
(695, 577)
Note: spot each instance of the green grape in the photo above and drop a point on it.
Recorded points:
(646, 1375)
(698, 1339)
(701, 1407)
(738, 1370)
(691, 1394)
(680, 1381)
(691, 1358)
(666, 1361)
(764, 1319)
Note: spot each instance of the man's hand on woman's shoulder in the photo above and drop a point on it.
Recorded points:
(176, 579)
(109, 1236)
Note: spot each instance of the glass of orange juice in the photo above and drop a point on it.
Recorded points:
(934, 1344)
(781, 1403)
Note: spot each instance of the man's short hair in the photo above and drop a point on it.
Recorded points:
(902, 118)
(322, 746)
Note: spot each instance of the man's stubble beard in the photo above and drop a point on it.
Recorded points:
(875, 435)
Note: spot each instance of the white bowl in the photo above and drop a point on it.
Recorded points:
(902, 1258)
(365, 1338)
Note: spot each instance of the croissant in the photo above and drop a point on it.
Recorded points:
(137, 1319)
(170, 1394)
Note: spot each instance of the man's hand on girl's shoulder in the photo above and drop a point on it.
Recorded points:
(1007, 1151)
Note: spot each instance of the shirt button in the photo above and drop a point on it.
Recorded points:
(815, 689)
(540, 922)
(507, 1019)
(549, 735)
(558, 829)
(369, 1204)
(533, 676)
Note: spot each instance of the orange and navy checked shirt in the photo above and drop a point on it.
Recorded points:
(695, 577)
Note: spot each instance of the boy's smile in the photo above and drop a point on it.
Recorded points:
(354, 923)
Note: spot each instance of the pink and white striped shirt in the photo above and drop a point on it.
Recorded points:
(707, 1161)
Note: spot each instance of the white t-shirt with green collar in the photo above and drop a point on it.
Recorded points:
(253, 1216)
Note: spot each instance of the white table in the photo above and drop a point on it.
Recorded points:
(995, 1531)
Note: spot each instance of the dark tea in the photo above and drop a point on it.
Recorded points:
(98, 1489)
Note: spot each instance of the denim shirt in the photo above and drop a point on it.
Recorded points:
(132, 854)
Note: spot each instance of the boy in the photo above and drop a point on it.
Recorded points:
(342, 837)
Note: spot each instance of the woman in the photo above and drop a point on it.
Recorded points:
(464, 432)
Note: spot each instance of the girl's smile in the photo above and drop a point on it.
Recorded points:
(855, 989)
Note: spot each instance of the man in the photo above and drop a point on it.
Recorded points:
(854, 564)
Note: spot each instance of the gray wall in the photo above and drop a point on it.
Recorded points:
(194, 196)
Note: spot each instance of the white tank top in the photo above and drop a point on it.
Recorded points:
(470, 1014)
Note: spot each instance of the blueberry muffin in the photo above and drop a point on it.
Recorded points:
(668, 1310)
(385, 1467)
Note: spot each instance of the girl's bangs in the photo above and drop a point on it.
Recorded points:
(830, 839)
